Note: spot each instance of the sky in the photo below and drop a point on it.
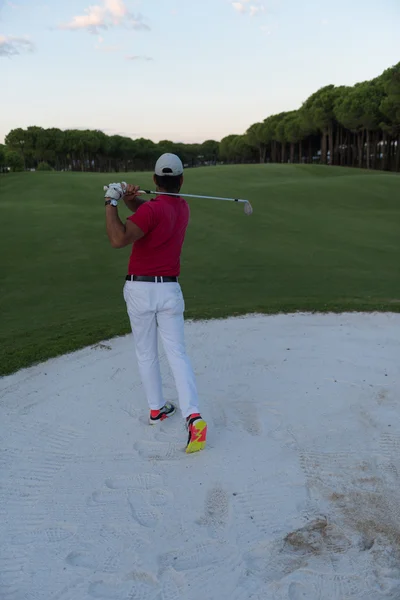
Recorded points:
(184, 70)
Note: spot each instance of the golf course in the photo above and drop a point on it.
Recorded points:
(320, 239)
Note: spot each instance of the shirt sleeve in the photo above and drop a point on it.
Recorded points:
(144, 217)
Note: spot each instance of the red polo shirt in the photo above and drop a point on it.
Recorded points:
(164, 221)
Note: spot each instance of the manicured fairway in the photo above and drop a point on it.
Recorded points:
(320, 239)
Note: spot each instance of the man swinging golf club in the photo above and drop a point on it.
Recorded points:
(152, 292)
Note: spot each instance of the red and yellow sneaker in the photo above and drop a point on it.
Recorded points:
(156, 416)
(197, 429)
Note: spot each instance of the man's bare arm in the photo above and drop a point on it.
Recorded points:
(121, 235)
(133, 202)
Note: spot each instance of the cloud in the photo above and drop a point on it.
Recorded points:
(239, 7)
(93, 20)
(111, 13)
(116, 8)
(139, 57)
(255, 10)
(243, 7)
(11, 46)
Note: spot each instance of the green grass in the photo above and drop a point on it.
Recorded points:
(320, 239)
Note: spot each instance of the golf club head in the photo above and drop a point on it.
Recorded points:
(248, 209)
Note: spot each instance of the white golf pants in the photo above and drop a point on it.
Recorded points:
(153, 308)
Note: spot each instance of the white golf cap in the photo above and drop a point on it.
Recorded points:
(169, 164)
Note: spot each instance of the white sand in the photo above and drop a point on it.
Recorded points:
(296, 496)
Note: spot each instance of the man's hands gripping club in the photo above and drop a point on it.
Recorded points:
(115, 191)
(129, 193)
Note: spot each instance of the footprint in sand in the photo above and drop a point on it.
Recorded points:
(107, 497)
(44, 437)
(140, 493)
(104, 562)
(145, 506)
(321, 586)
(247, 416)
(143, 481)
(174, 585)
(12, 567)
(44, 535)
(332, 471)
(216, 510)
(143, 513)
(154, 497)
(138, 585)
(160, 451)
(218, 413)
(301, 591)
(208, 567)
(390, 448)
(211, 553)
(258, 508)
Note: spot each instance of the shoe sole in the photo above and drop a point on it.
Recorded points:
(158, 421)
(198, 441)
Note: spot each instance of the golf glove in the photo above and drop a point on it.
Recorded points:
(114, 191)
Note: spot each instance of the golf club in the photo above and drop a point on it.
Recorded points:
(247, 206)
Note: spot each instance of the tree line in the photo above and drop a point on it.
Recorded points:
(77, 150)
(356, 126)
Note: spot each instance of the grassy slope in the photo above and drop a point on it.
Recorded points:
(320, 239)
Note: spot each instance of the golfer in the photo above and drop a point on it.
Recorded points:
(152, 292)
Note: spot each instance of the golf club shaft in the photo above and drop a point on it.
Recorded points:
(196, 196)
